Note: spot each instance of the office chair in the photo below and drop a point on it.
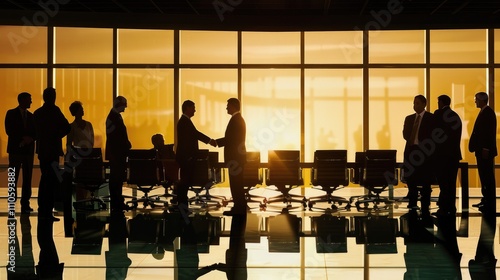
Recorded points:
(284, 231)
(204, 179)
(330, 232)
(377, 232)
(168, 170)
(378, 173)
(143, 233)
(285, 173)
(88, 173)
(330, 173)
(143, 172)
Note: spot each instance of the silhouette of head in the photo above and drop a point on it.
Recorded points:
(24, 100)
(188, 108)
(443, 101)
(157, 140)
(233, 105)
(120, 103)
(49, 95)
(76, 109)
(481, 99)
(419, 103)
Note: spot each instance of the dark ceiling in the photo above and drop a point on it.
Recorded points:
(255, 14)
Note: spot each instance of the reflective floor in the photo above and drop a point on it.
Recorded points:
(274, 243)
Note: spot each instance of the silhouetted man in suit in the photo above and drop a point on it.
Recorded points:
(235, 155)
(418, 170)
(51, 127)
(187, 150)
(448, 154)
(483, 145)
(20, 128)
(117, 147)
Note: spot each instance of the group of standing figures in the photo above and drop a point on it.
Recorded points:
(432, 153)
(432, 150)
(43, 131)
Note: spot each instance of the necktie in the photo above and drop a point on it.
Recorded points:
(414, 131)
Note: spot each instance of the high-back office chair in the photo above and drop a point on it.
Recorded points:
(285, 173)
(143, 172)
(330, 232)
(284, 231)
(168, 170)
(88, 173)
(377, 232)
(330, 173)
(203, 180)
(378, 173)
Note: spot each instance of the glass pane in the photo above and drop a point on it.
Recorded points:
(23, 44)
(150, 98)
(334, 47)
(497, 46)
(497, 108)
(145, 46)
(92, 87)
(271, 99)
(203, 47)
(333, 111)
(458, 46)
(397, 46)
(15, 81)
(461, 85)
(83, 45)
(270, 47)
(210, 89)
(391, 99)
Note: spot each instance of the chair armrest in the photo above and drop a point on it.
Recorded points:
(268, 172)
(300, 173)
(314, 174)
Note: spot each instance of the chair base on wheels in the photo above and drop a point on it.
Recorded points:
(92, 203)
(287, 198)
(335, 201)
(363, 202)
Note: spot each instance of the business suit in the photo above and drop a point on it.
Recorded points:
(186, 153)
(117, 147)
(484, 137)
(448, 156)
(51, 127)
(418, 168)
(21, 154)
(235, 158)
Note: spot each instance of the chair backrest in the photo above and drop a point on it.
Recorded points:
(202, 173)
(142, 167)
(168, 167)
(252, 172)
(359, 165)
(380, 168)
(330, 168)
(88, 166)
(284, 168)
(215, 169)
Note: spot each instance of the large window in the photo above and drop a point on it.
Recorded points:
(390, 100)
(333, 111)
(271, 100)
(15, 81)
(305, 90)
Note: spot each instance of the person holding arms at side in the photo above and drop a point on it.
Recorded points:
(187, 150)
(448, 155)
(20, 129)
(483, 144)
(82, 132)
(51, 127)
(417, 167)
(235, 155)
(117, 147)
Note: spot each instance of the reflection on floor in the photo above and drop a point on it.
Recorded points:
(278, 243)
